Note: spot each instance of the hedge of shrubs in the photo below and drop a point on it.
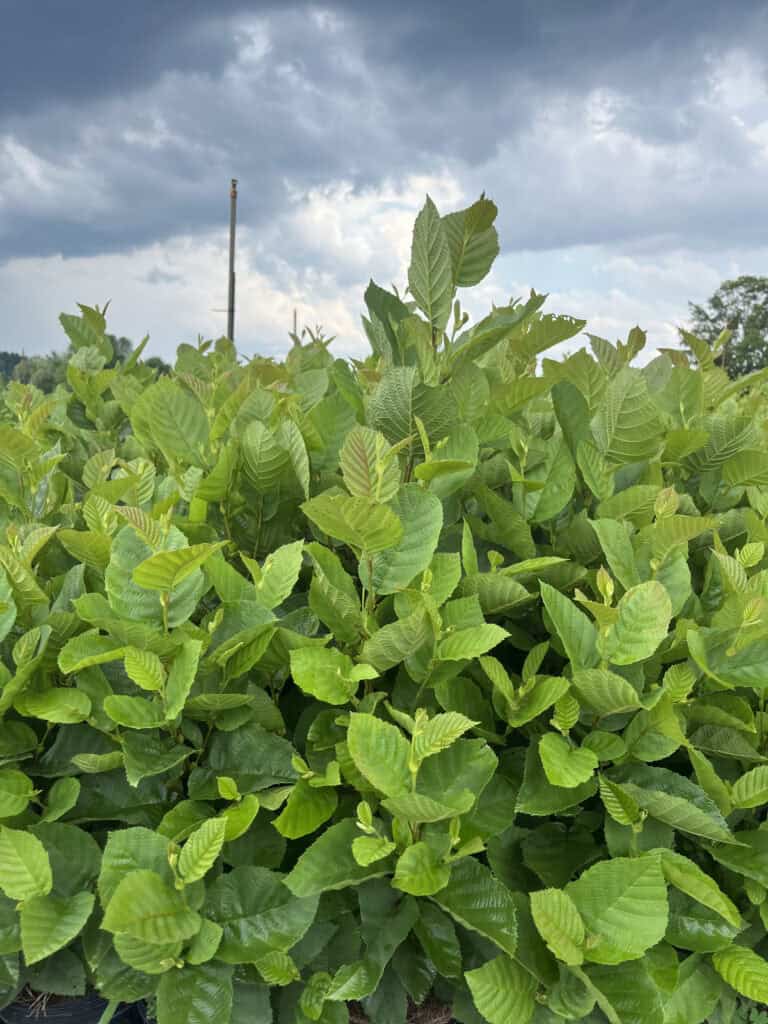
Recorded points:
(344, 687)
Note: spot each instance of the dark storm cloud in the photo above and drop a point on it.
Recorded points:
(127, 120)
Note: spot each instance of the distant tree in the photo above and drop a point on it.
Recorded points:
(158, 364)
(741, 306)
(122, 348)
(8, 361)
(45, 372)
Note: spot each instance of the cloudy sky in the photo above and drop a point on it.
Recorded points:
(625, 143)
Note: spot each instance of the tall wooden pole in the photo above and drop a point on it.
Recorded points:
(232, 223)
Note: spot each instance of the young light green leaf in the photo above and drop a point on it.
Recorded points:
(690, 879)
(577, 634)
(624, 902)
(328, 674)
(369, 849)
(144, 668)
(362, 523)
(744, 970)
(565, 765)
(503, 991)
(168, 569)
(201, 850)
(420, 871)
(642, 624)
(144, 906)
(181, 678)
(369, 466)
(439, 733)
(25, 869)
(380, 753)
(471, 642)
(559, 924)
(430, 274)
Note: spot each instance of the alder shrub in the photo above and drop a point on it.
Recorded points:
(433, 676)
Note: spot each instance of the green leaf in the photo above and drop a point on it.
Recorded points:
(439, 733)
(397, 640)
(615, 542)
(421, 516)
(62, 705)
(420, 871)
(62, 797)
(240, 816)
(88, 649)
(749, 857)
(751, 789)
(627, 427)
(134, 712)
(697, 994)
(437, 935)
(676, 801)
(144, 906)
(329, 864)
(565, 765)
(595, 469)
(369, 465)
(744, 970)
(258, 914)
(144, 668)
(472, 241)
(291, 438)
(479, 901)
(642, 624)
(264, 457)
(503, 991)
(7, 606)
(25, 869)
(430, 275)
(203, 947)
(202, 849)
(368, 849)
(359, 522)
(577, 634)
(147, 957)
(147, 754)
(624, 902)
(306, 809)
(16, 791)
(167, 569)
(276, 578)
(196, 995)
(470, 643)
(48, 924)
(181, 678)
(328, 674)
(690, 879)
(605, 692)
(380, 753)
(559, 924)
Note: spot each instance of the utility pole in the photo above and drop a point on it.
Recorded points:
(232, 222)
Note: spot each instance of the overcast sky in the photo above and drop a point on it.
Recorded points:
(625, 143)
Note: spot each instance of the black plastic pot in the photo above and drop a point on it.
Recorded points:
(87, 1010)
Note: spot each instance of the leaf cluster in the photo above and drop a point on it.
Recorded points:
(439, 674)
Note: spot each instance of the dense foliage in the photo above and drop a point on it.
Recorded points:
(48, 372)
(437, 675)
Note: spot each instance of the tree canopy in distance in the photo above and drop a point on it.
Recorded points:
(741, 306)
